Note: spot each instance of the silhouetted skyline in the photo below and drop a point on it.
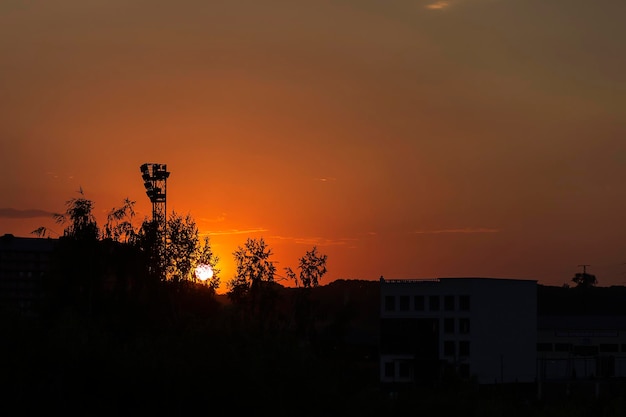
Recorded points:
(407, 139)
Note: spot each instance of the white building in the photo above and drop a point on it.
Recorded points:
(480, 327)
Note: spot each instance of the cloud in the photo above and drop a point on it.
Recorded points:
(438, 5)
(462, 230)
(217, 219)
(11, 213)
(315, 241)
(56, 175)
(234, 232)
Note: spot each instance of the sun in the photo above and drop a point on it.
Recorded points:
(204, 272)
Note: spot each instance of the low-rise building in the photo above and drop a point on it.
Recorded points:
(24, 263)
(574, 347)
(484, 328)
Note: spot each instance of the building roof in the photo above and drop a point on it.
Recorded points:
(8, 242)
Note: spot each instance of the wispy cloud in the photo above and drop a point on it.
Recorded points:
(326, 179)
(438, 5)
(316, 240)
(219, 218)
(234, 232)
(56, 175)
(461, 230)
(11, 213)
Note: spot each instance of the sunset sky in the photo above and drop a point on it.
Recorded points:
(409, 139)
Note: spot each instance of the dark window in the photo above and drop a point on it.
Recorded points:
(464, 348)
(418, 303)
(448, 302)
(390, 303)
(404, 302)
(606, 366)
(433, 303)
(609, 347)
(585, 350)
(464, 302)
(562, 347)
(404, 370)
(544, 347)
(418, 336)
(448, 325)
(464, 325)
(448, 348)
(390, 370)
(464, 370)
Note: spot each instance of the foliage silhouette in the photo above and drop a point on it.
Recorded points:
(80, 222)
(585, 280)
(252, 288)
(312, 266)
(119, 226)
(98, 273)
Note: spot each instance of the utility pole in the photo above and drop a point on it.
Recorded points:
(584, 268)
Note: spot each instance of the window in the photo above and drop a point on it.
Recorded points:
(433, 303)
(404, 370)
(404, 302)
(464, 325)
(464, 348)
(464, 302)
(418, 303)
(390, 303)
(585, 350)
(448, 325)
(562, 347)
(448, 348)
(609, 347)
(464, 370)
(448, 303)
(544, 347)
(390, 370)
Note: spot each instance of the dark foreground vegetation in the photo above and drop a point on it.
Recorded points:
(123, 328)
(189, 351)
(196, 355)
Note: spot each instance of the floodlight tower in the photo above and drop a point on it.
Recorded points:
(155, 180)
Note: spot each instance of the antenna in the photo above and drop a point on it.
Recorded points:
(584, 268)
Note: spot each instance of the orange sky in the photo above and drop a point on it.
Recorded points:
(409, 139)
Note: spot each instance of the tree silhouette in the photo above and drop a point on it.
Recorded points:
(119, 226)
(182, 243)
(254, 266)
(78, 269)
(79, 219)
(148, 241)
(91, 265)
(204, 255)
(312, 268)
(585, 280)
(252, 285)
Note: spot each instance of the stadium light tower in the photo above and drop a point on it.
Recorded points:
(155, 180)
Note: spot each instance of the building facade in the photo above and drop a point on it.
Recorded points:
(484, 328)
(24, 263)
(572, 347)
